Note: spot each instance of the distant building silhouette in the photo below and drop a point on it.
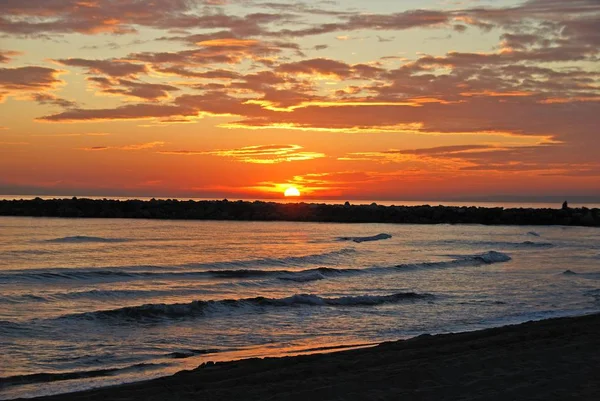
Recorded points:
(565, 205)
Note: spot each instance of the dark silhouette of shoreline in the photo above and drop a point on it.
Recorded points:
(310, 212)
(554, 359)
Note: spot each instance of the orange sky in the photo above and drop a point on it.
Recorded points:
(430, 99)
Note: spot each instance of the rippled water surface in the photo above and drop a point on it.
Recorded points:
(87, 303)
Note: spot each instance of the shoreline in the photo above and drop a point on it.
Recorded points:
(551, 359)
(224, 210)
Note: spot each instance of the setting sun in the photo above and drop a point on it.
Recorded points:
(291, 191)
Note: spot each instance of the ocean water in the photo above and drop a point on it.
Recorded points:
(88, 303)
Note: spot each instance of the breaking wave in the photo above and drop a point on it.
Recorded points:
(585, 275)
(377, 237)
(287, 275)
(233, 269)
(502, 244)
(188, 353)
(200, 308)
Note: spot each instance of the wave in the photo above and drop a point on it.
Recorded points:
(303, 278)
(96, 294)
(588, 275)
(73, 274)
(8, 327)
(377, 237)
(29, 252)
(536, 244)
(230, 269)
(533, 234)
(188, 353)
(501, 244)
(306, 275)
(488, 258)
(594, 294)
(86, 374)
(84, 239)
(318, 258)
(516, 245)
(201, 308)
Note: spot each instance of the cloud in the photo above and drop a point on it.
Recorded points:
(29, 78)
(127, 112)
(25, 80)
(108, 16)
(382, 22)
(44, 17)
(442, 150)
(539, 160)
(208, 53)
(110, 67)
(135, 147)
(220, 74)
(261, 154)
(538, 82)
(317, 66)
(48, 98)
(135, 89)
(7, 55)
(328, 68)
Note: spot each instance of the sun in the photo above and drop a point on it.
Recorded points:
(291, 191)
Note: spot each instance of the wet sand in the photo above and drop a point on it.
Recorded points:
(555, 359)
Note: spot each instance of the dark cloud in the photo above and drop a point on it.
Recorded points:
(211, 52)
(7, 55)
(329, 67)
(112, 16)
(35, 17)
(135, 89)
(110, 67)
(127, 112)
(29, 78)
(50, 99)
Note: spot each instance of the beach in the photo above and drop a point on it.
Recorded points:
(554, 359)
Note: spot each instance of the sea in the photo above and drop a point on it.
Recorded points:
(88, 303)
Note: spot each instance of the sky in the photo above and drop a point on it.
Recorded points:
(352, 99)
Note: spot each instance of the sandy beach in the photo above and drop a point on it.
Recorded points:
(555, 359)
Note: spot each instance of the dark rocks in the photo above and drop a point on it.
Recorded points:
(272, 211)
